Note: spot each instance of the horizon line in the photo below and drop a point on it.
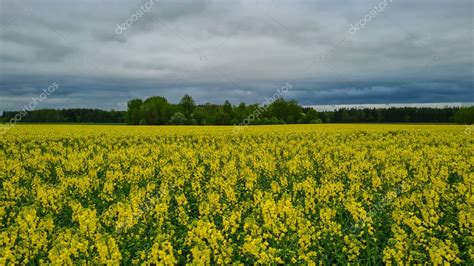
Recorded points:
(317, 107)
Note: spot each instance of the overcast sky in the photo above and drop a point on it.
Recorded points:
(408, 52)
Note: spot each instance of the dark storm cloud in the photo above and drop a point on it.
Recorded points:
(238, 50)
(385, 92)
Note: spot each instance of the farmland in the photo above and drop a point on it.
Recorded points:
(368, 194)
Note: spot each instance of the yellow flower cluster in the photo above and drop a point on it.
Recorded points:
(324, 194)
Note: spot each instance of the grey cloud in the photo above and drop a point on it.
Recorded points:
(241, 50)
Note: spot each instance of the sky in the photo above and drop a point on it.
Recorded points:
(332, 52)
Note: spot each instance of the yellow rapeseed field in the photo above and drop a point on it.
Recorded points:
(367, 194)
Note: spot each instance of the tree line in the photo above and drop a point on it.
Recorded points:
(77, 115)
(157, 110)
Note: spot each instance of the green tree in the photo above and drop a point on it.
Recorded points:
(311, 115)
(465, 115)
(199, 114)
(222, 118)
(288, 111)
(155, 111)
(133, 112)
(227, 107)
(177, 119)
(188, 105)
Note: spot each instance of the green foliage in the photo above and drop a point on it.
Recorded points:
(75, 115)
(178, 119)
(199, 113)
(465, 115)
(222, 118)
(227, 107)
(133, 113)
(155, 110)
(288, 111)
(158, 111)
(187, 104)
